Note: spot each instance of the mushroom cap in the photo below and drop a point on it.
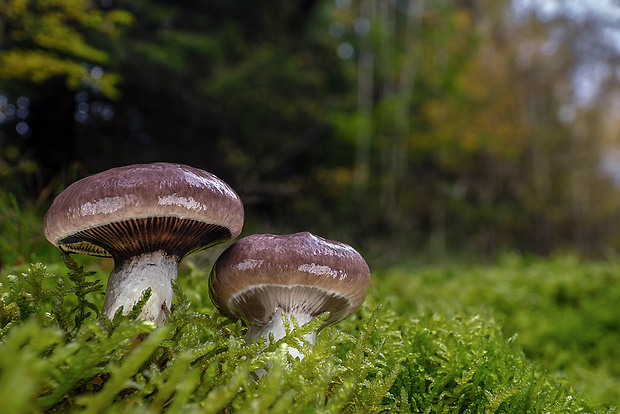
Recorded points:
(144, 207)
(298, 273)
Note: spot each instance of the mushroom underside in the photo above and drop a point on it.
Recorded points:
(257, 304)
(121, 239)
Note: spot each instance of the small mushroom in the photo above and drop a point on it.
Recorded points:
(147, 217)
(263, 276)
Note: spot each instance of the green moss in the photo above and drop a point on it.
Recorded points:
(379, 360)
(561, 310)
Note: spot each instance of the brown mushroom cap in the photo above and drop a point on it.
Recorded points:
(299, 272)
(145, 207)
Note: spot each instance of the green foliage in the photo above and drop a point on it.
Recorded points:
(379, 360)
(30, 296)
(456, 364)
(19, 228)
(81, 287)
(562, 311)
(43, 39)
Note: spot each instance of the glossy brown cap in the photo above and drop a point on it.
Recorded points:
(145, 207)
(297, 272)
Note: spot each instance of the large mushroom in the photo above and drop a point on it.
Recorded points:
(147, 217)
(261, 277)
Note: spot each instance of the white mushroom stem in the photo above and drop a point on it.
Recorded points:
(276, 326)
(132, 276)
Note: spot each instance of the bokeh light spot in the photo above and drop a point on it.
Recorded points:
(81, 96)
(22, 113)
(345, 50)
(23, 129)
(23, 102)
(80, 117)
(96, 72)
(362, 26)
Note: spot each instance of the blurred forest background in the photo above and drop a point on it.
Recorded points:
(396, 125)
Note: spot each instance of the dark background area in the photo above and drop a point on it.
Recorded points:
(401, 127)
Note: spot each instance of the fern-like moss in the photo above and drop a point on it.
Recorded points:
(65, 359)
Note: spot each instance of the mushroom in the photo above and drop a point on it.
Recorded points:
(147, 217)
(261, 277)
